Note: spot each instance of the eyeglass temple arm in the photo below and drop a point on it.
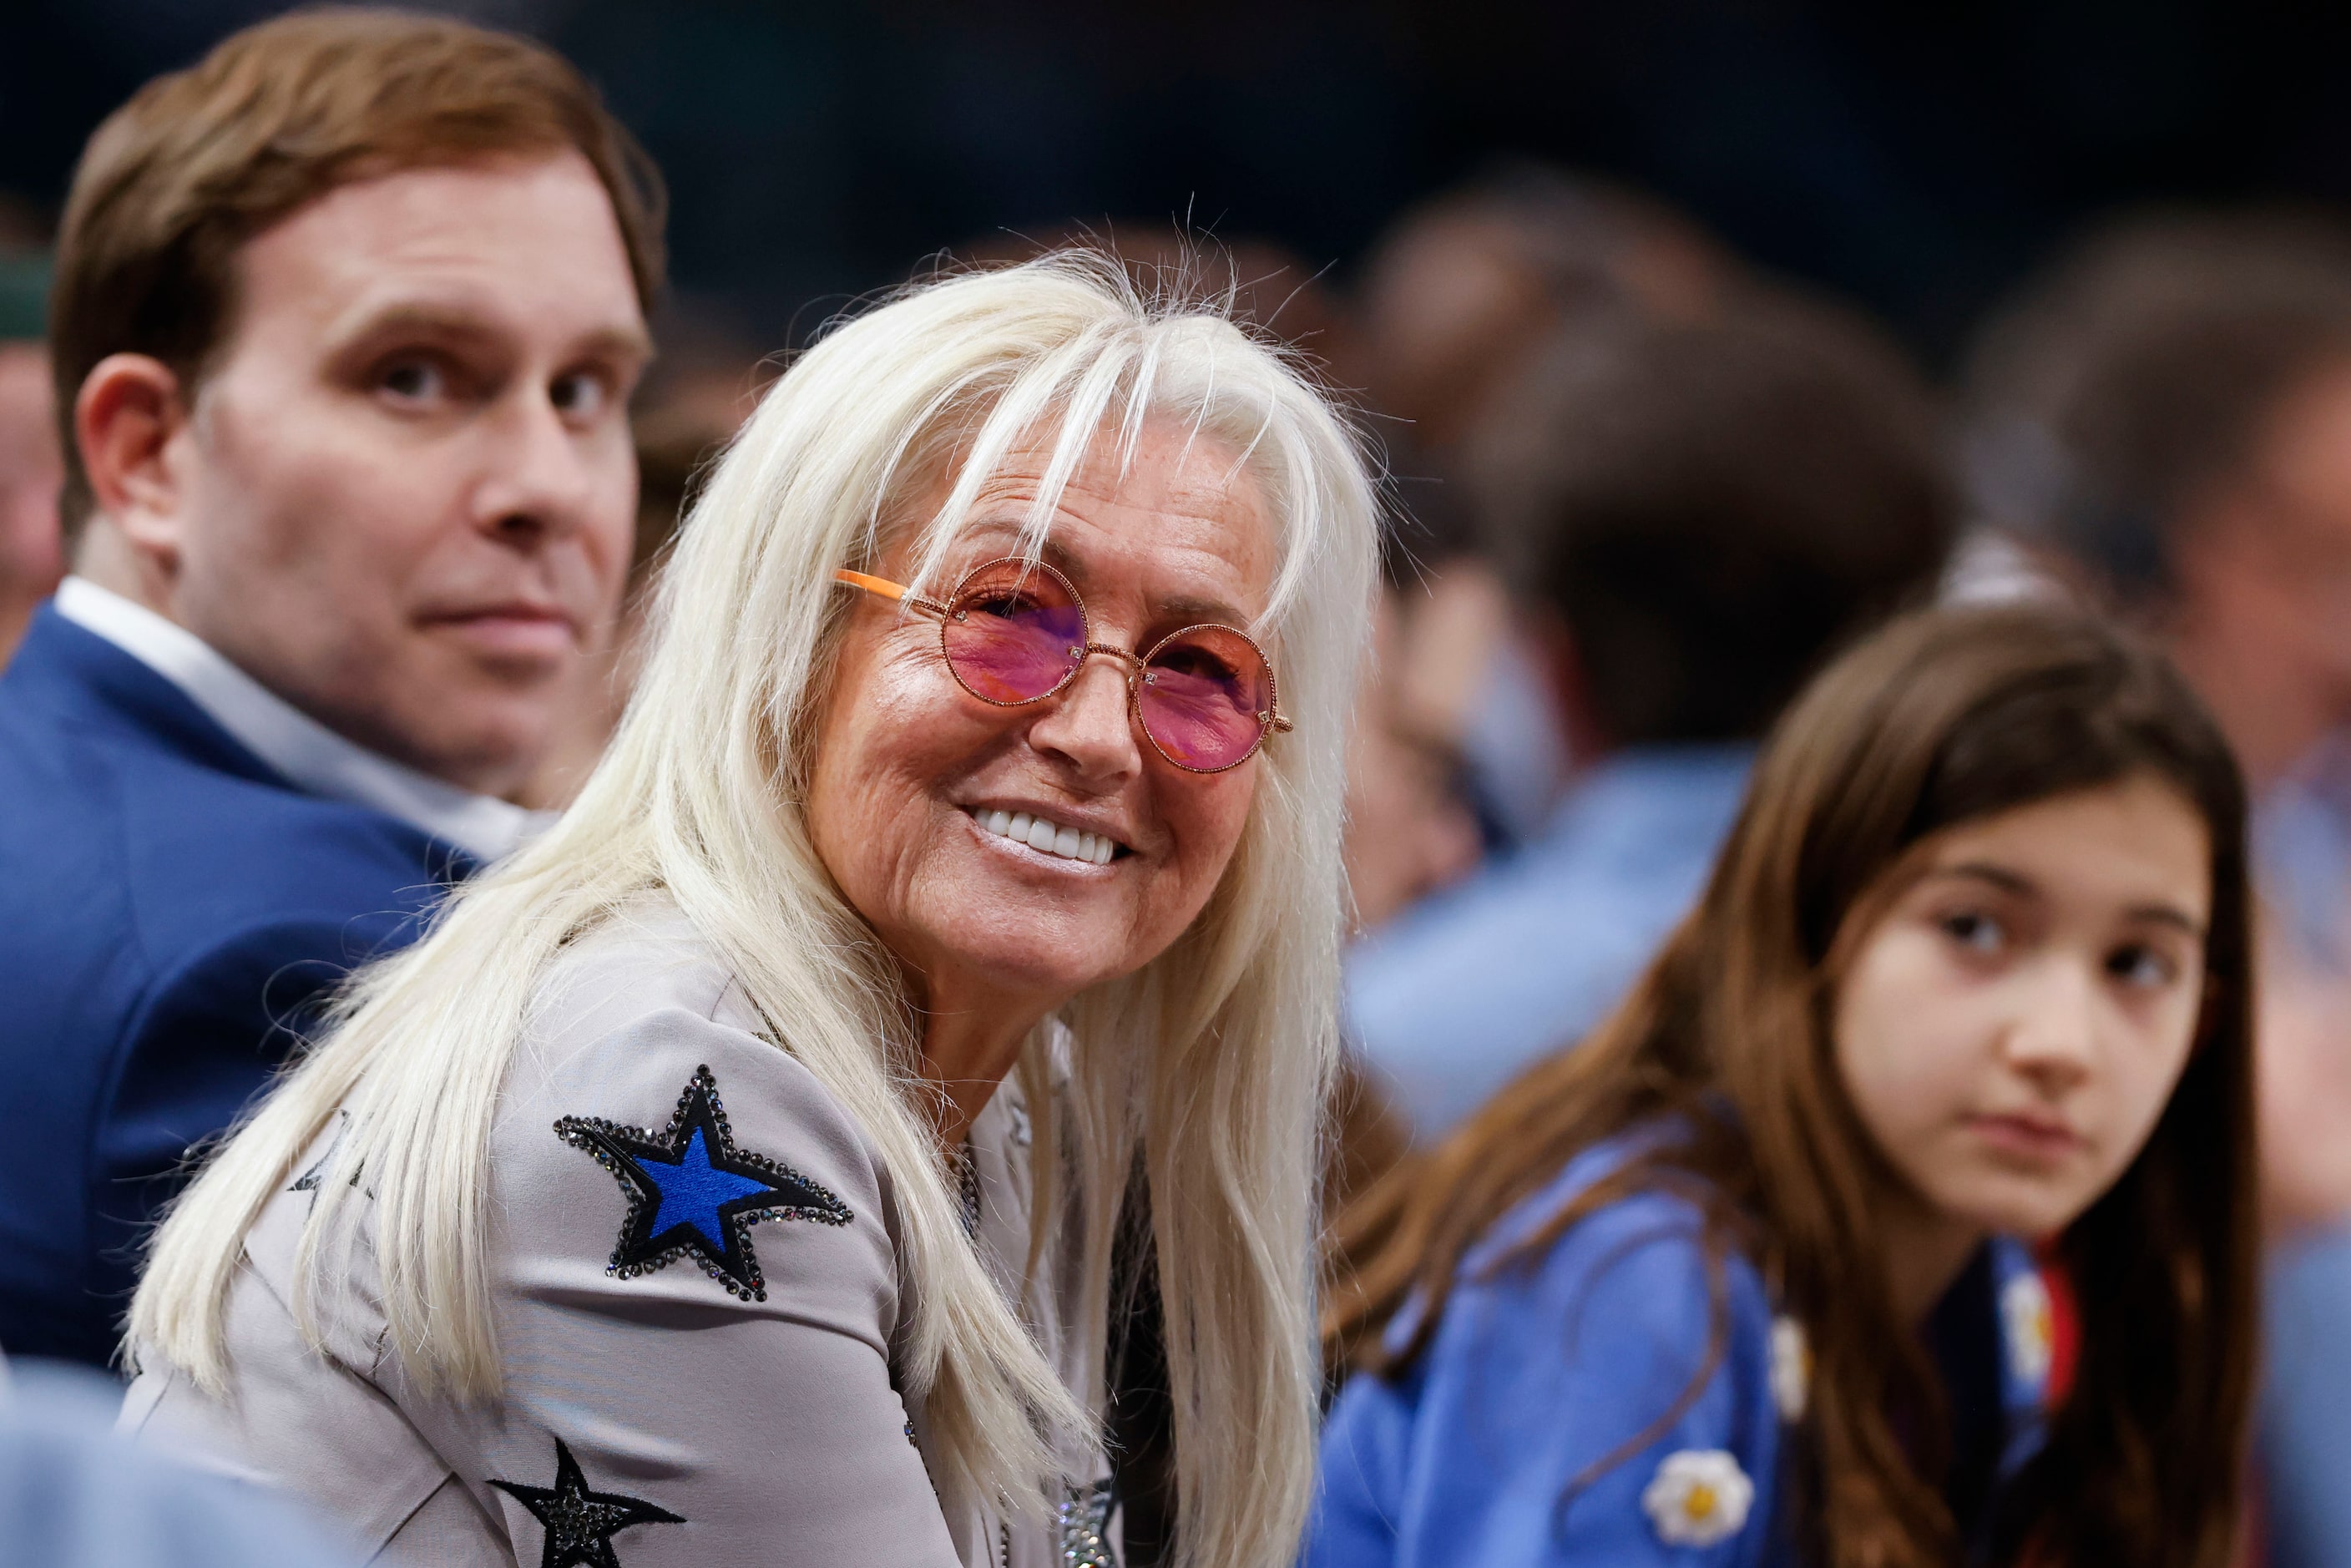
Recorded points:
(888, 589)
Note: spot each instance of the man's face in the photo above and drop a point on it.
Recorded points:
(2266, 562)
(403, 497)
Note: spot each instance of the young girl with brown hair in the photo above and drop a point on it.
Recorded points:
(1747, 1276)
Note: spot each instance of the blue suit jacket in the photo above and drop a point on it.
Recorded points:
(170, 909)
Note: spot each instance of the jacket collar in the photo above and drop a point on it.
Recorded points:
(292, 746)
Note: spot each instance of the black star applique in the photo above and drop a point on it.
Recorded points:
(309, 1181)
(581, 1523)
(693, 1191)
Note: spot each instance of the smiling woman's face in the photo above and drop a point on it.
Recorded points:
(911, 769)
(2012, 1025)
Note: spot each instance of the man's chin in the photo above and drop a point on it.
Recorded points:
(487, 745)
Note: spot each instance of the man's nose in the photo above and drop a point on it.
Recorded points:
(539, 484)
(1087, 722)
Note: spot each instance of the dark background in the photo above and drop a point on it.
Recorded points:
(1917, 156)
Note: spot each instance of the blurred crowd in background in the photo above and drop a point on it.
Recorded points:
(1697, 338)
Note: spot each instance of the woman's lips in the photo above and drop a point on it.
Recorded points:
(2035, 1138)
(1041, 835)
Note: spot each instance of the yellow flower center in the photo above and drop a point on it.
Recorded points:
(1700, 1501)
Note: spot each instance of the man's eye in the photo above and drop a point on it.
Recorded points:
(1975, 931)
(414, 381)
(580, 396)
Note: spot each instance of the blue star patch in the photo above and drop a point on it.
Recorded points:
(693, 1191)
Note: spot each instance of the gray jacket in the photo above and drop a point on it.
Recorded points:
(683, 1384)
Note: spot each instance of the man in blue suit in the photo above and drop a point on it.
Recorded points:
(345, 323)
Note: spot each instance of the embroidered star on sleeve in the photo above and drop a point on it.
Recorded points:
(581, 1523)
(693, 1191)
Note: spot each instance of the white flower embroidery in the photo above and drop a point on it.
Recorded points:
(2029, 1325)
(1792, 1368)
(1699, 1497)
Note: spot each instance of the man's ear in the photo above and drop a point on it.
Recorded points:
(1562, 663)
(129, 408)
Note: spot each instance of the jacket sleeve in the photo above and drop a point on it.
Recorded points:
(1539, 1426)
(203, 1041)
(712, 1389)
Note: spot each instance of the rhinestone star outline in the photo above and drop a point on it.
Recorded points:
(727, 1258)
(1084, 1520)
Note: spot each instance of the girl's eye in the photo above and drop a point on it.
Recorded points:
(2142, 965)
(1975, 931)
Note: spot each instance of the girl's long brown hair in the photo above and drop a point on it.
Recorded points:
(1944, 717)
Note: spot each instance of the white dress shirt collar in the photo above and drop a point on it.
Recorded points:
(290, 740)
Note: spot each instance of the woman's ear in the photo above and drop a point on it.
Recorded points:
(125, 416)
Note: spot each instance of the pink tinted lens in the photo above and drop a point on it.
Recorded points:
(1013, 634)
(1202, 696)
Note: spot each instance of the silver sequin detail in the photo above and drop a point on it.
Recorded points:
(1084, 1519)
(967, 1183)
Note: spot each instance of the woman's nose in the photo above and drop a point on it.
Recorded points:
(1088, 725)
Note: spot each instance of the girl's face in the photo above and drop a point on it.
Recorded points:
(2012, 1027)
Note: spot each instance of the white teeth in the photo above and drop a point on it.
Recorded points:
(1048, 837)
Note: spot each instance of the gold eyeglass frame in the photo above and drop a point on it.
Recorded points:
(1138, 674)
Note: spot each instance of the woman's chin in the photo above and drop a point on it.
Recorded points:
(1029, 971)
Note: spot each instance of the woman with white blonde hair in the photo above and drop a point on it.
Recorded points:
(734, 1174)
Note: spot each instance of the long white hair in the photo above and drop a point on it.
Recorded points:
(1211, 1059)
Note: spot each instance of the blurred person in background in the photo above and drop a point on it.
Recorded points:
(1454, 300)
(76, 1494)
(1263, 285)
(31, 556)
(2164, 423)
(346, 321)
(1410, 832)
(1464, 290)
(1695, 515)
